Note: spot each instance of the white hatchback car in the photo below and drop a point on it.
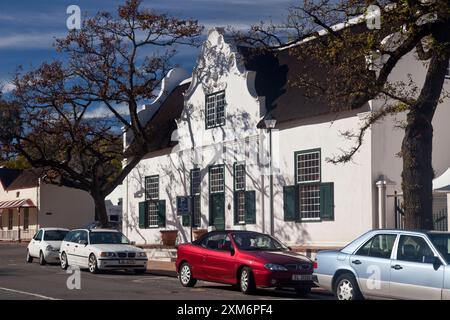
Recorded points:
(45, 245)
(101, 249)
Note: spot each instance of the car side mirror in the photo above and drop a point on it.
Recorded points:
(289, 248)
(435, 261)
(133, 243)
(83, 242)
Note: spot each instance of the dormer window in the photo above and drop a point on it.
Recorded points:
(215, 110)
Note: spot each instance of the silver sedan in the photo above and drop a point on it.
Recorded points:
(392, 264)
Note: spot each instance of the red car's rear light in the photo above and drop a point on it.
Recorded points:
(315, 265)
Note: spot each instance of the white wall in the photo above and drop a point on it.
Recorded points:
(352, 183)
(69, 208)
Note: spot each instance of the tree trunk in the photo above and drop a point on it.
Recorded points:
(100, 210)
(417, 147)
(417, 175)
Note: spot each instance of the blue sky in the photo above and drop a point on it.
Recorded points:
(28, 28)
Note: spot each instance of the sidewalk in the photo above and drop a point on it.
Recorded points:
(167, 269)
(161, 268)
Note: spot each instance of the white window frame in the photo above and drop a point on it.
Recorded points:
(297, 177)
(147, 187)
(220, 182)
(214, 117)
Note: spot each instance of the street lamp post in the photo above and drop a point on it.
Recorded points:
(270, 124)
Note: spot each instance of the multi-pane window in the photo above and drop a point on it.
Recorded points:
(308, 166)
(195, 181)
(308, 179)
(240, 206)
(239, 177)
(152, 195)
(195, 193)
(217, 179)
(153, 214)
(215, 109)
(239, 194)
(151, 187)
(310, 201)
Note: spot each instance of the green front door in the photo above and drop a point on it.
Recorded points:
(217, 196)
(217, 210)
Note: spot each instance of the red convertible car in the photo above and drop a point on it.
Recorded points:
(244, 258)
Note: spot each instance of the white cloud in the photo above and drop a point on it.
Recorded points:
(33, 40)
(102, 111)
(6, 86)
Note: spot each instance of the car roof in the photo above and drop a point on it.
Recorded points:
(54, 228)
(95, 230)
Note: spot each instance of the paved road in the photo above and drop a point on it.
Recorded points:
(21, 280)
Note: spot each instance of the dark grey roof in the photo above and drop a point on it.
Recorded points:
(160, 128)
(7, 176)
(276, 77)
(28, 178)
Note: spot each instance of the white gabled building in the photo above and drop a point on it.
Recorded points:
(220, 149)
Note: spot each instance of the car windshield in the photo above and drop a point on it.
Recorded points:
(252, 241)
(55, 235)
(106, 237)
(441, 242)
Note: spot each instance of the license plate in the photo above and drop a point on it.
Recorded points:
(302, 277)
(126, 261)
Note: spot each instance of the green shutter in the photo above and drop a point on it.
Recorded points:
(161, 213)
(143, 215)
(250, 207)
(290, 195)
(186, 220)
(217, 210)
(327, 201)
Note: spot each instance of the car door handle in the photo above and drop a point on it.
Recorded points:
(67, 244)
(397, 267)
(76, 246)
(356, 262)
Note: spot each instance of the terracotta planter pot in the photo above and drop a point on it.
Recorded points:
(169, 237)
(199, 232)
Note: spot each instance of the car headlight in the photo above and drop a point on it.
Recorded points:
(107, 254)
(49, 248)
(141, 255)
(275, 267)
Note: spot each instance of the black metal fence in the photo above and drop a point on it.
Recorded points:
(440, 213)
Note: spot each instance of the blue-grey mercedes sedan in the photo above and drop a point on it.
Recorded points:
(390, 264)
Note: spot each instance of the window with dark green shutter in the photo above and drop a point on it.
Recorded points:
(143, 216)
(250, 207)
(244, 201)
(290, 203)
(161, 213)
(155, 209)
(314, 199)
(327, 201)
(196, 182)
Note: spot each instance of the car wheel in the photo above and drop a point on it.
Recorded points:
(42, 261)
(64, 261)
(303, 291)
(92, 264)
(246, 281)
(346, 288)
(140, 271)
(29, 258)
(186, 278)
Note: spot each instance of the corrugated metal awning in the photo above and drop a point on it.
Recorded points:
(16, 204)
